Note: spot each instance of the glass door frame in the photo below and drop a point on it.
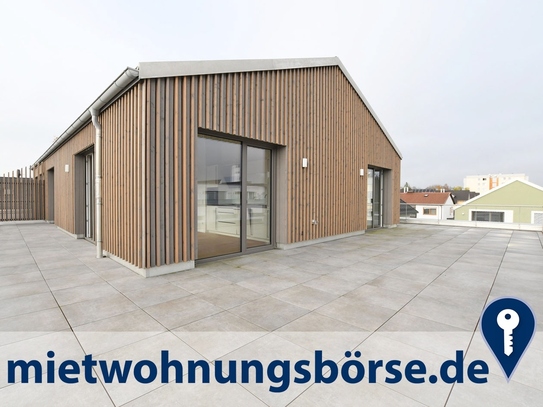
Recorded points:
(381, 187)
(89, 196)
(244, 143)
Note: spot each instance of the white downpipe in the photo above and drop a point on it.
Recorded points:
(122, 81)
(117, 86)
(92, 112)
(98, 180)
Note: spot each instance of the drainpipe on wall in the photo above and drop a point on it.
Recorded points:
(126, 78)
(98, 180)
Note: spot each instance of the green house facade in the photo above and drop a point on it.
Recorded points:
(515, 202)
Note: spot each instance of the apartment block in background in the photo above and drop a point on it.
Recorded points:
(484, 183)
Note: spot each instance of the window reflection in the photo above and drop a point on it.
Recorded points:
(258, 196)
(218, 175)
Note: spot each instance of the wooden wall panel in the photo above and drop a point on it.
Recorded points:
(314, 112)
(121, 177)
(64, 182)
(149, 136)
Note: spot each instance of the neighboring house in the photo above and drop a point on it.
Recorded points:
(177, 162)
(407, 211)
(484, 183)
(462, 196)
(516, 202)
(430, 205)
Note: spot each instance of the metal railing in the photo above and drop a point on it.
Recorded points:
(22, 196)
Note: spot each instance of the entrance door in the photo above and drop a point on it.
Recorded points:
(258, 197)
(375, 198)
(89, 196)
(234, 197)
(51, 194)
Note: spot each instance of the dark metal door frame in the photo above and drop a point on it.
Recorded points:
(376, 200)
(244, 142)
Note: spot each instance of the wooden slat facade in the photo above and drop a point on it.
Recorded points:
(64, 182)
(314, 112)
(149, 137)
(121, 177)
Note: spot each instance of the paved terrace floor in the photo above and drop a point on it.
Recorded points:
(413, 292)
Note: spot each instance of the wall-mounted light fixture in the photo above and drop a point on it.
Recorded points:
(304, 162)
(67, 168)
(361, 172)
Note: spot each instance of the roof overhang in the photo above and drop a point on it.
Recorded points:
(123, 81)
(147, 70)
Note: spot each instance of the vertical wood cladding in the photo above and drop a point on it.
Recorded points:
(148, 160)
(21, 195)
(169, 105)
(64, 184)
(314, 112)
(121, 177)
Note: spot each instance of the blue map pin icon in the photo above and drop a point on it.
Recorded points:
(516, 317)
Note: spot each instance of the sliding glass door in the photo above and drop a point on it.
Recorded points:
(233, 196)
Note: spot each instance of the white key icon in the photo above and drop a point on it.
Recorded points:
(508, 320)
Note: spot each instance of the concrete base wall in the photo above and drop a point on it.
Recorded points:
(153, 271)
(288, 246)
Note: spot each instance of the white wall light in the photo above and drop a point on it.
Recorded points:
(361, 172)
(67, 168)
(304, 162)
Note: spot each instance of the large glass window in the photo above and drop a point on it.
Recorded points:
(487, 216)
(375, 198)
(258, 196)
(218, 176)
(234, 196)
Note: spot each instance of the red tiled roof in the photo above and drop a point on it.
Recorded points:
(434, 198)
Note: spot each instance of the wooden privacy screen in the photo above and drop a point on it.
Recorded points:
(22, 196)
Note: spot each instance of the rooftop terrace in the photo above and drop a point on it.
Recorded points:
(412, 292)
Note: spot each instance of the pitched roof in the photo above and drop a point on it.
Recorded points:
(163, 69)
(531, 184)
(422, 198)
(188, 68)
(464, 195)
(406, 209)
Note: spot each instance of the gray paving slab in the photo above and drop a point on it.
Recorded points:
(415, 291)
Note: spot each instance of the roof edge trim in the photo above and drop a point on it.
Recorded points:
(126, 78)
(530, 184)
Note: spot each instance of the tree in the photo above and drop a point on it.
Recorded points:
(439, 187)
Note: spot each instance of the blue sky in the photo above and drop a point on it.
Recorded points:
(458, 84)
